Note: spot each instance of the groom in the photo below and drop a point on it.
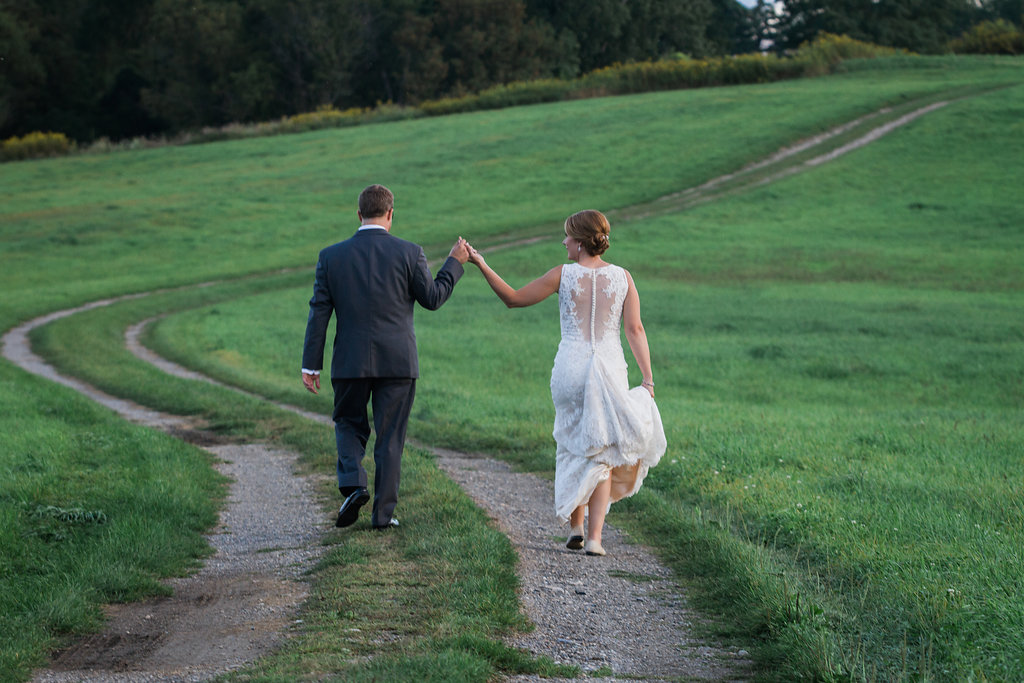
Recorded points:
(371, 282)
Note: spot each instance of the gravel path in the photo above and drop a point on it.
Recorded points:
(247, 594)
(621, 612)
(240, 605)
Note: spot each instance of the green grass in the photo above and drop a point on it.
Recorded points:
(838, 368)
(93, 510)
(860, 322)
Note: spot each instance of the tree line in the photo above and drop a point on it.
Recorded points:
(128, 68)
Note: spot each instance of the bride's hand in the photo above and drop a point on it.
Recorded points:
(475, 257)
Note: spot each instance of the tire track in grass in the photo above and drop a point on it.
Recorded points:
(623, 612)
(578, 603)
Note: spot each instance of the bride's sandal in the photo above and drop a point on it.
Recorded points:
(575, 541)
(594, 548)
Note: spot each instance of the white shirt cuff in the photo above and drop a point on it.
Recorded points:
(310, 372)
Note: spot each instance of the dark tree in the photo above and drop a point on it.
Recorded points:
(734, 29)
(66, 65)
(918, 25)
(300, 56)
(610, 31)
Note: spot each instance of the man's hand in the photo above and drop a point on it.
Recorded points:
(312, 382)
(460, 252)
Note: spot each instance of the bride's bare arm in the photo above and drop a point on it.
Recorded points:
(635, 334)
(528, 295)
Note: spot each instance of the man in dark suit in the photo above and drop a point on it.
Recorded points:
(371, 281)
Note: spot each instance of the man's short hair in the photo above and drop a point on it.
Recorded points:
(375, 201)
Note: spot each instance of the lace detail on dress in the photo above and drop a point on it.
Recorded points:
(602, 428)
(590, 301)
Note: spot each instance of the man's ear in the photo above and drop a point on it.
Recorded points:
(359, 215)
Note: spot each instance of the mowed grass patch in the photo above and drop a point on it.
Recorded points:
(843, 478)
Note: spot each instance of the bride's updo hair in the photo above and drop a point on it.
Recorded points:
(591, 229)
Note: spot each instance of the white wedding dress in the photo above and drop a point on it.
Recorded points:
(602, 427)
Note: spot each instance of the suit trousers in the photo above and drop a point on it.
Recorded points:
(391, 399)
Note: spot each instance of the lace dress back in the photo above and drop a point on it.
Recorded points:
(602, 428)
(591, 302)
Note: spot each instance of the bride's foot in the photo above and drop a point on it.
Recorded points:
(594, 548)
(575, 541)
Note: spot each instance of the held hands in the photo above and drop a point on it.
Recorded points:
(460, 251)
(463, 251)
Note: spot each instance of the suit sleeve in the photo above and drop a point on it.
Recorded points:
(320, 308)
(432, 292)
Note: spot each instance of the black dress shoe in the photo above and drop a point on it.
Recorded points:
(349, 511)
(390, 525)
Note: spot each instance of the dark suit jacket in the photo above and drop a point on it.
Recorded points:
(371, 281)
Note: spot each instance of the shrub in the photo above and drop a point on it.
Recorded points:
(825, 52)
(35, 145)
(500, 96)
(688, 73)
(818, 57)
(325, 116)
(998, 37)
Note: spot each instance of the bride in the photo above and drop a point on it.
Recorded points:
(607, 435)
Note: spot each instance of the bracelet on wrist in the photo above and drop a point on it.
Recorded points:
(647, 384)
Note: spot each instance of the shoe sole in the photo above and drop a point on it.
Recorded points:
(574, 543)
(350, 513)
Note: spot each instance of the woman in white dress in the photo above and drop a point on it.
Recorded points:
(607, 435)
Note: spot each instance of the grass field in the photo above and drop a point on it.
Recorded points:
(837, 354)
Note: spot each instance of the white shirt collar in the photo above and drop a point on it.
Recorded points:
(372, 226)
